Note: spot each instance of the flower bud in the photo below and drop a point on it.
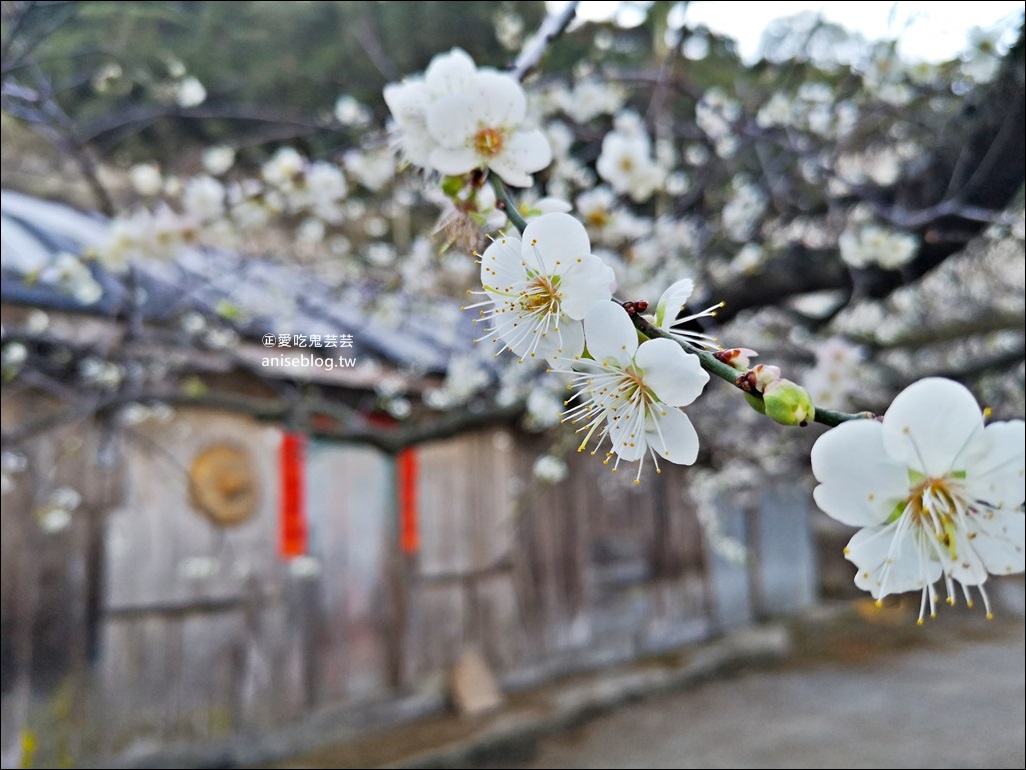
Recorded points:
(765, 375)
(453, 185)
(738, 358)
(788, 403)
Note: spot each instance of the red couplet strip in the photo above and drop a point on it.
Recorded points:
(409, 531)
(293, 499)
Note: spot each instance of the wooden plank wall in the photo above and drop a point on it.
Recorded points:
(202, 633)
(50, 599)
(197, 630)
(545, 582)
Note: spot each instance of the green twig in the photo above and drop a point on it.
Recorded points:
(507, 203)
(713, 365)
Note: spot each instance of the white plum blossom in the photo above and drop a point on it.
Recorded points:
(531, 206)
(483, 130)
(141, 235)
(937, 494)
(74, 277)
(550, 469)
(566, 170)
(325, 187)
(447, 74)
(590, 98)
(669, 307)
(53, 520)
(716, 114)
(146, 179)
(190, 93)
(283, 168)
(626, 160)
(218, 159)
(13, 356)
(458, 118)
(372, 168)
(630, 394)
(833, 379)
(874, 245)
(350, 112)
(105, 374)
(509, 29)
(544, 408)
(778, 111)
(203, 198)
(607, 222)
(540, 287)
(743, 212)
(466, 376)
(748, 260)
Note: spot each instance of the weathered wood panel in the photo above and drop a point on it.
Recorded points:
(190, 651)
(351, 498)
(729, 579)
(51, 560)
(783, 552)
(160, 550)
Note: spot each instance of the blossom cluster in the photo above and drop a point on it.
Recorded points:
(939, 498)
(458, 118)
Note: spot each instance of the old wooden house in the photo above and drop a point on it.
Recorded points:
(274, 557)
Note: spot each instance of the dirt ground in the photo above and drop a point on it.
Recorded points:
(859, 686)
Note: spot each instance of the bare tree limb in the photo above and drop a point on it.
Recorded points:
(551, 28)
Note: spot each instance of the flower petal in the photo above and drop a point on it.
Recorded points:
(553, 237)
(570, 335)
(528, 150)
(609, 333)
(451, 73)
(502, 268)
(962, 560)
(451, 121)
(416, 146)
(509, 170)
(997, 537)
(997, 476)
(627, 430)
(408, 101)
(890, 560)
(672, 302)
(673, 437)
(501, 99)
(930, 425)
(452, 162)
(677, 378)
(859, 484)
(584, 284)
(529, 336)
(535, 340)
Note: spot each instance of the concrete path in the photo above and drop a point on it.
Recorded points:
(921, 708)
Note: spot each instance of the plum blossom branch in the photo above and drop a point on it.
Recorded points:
(710, 363)
(829, 417)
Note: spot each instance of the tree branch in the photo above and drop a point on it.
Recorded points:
(551, 28)
(727, 373)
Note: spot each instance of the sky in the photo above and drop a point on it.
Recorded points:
(928, 31)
